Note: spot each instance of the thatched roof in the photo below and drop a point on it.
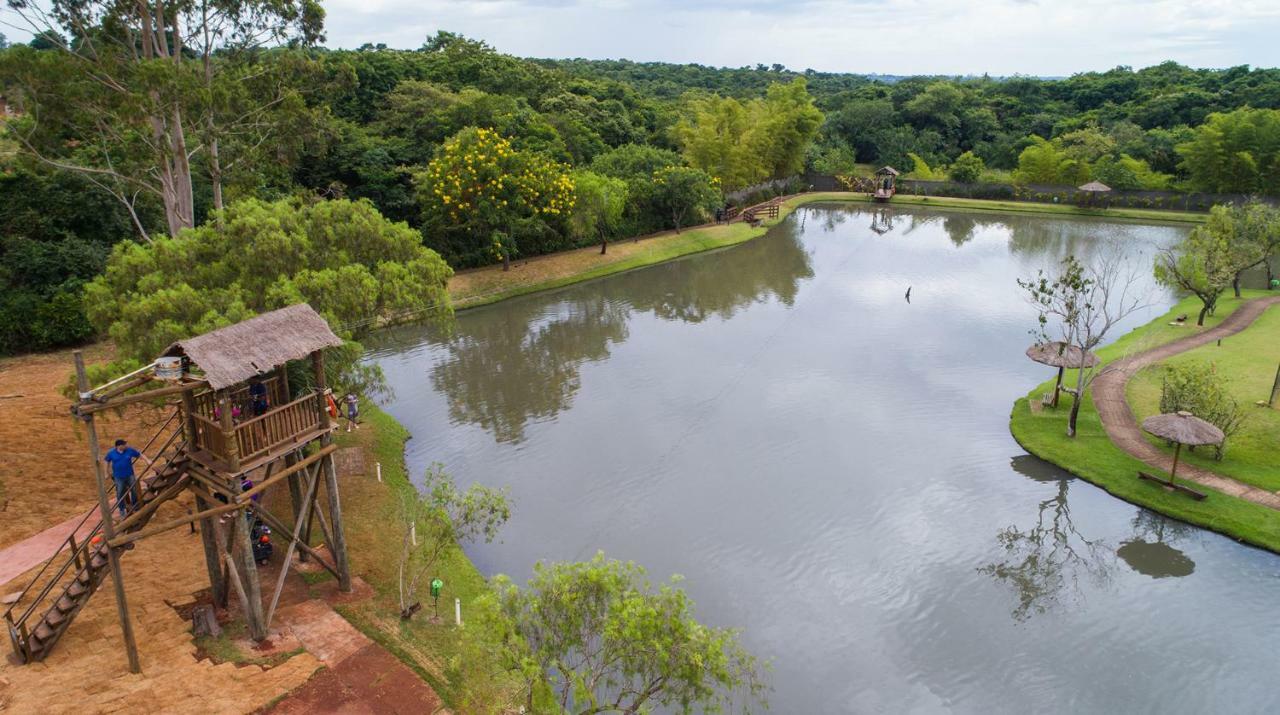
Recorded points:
(1059, 354)
(887, 170)
(1096, 186)
(1183, 427)
(231, 355)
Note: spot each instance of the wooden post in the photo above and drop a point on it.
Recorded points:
(188, 418)
(338, 540)
(295, 480)
(1275, 389)
(1177, 450)
(229, 433)
(108, 529)
(217, 585)
(247, 568)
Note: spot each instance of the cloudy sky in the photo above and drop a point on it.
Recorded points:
(1038, 37)
(1043, 37)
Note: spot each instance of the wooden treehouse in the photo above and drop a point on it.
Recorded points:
(233, 421)
(886, 183)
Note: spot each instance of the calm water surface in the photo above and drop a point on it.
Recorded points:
(830, 467)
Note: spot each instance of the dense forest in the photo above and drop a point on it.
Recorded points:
(489, 157)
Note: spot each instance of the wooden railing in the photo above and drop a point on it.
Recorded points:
(207, 402)
(281, 426)
(259, 436)
(209, 437)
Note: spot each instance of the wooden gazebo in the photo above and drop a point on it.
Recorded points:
(213, 440)
(886, 183)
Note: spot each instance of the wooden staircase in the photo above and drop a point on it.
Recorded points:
(53, 598)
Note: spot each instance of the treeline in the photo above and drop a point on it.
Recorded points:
(1166, 126)
(488, 156)
(492, 157)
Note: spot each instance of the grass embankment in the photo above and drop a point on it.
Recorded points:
(1093, 457)
(371, 518)
(1247, 361)
(491, 284)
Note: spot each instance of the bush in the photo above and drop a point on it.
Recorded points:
(1196, 387)
(967, 168)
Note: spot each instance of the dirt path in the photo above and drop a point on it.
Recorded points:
(1122, 427)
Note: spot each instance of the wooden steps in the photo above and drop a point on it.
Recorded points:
(87, 567)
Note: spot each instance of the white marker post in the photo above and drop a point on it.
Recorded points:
(379, 469)
(457, 611)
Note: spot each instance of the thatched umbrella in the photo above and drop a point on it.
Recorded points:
(1094, 188)
(1182, 428)
(1062, 356)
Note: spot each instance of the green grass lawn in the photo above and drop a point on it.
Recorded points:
(441, 654)
(1120, 214)
(1092, 456)
(1248, 362)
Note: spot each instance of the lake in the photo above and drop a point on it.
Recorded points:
(830, 468)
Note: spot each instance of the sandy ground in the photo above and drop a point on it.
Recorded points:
(46, 475)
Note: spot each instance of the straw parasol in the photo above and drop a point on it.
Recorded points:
(1062, 356)
(1182, 428)
(1093, 189)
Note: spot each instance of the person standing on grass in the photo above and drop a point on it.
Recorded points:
(121, 459)
(353, 411)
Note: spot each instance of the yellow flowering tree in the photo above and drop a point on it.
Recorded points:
(482, 200)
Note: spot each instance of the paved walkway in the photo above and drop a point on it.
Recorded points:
(25, 555)
(1122, 427)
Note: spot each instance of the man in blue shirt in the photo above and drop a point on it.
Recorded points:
(121, 460)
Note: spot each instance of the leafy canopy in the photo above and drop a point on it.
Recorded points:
(481, 198)
(351, 264)
(595, 637)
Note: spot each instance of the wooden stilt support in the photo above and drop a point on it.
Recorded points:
(338, 540)
(104, 506)
(242, 557)
(288, 556)
(217, 584)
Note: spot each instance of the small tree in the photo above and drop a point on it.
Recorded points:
(1081, 305)
(441, 518)
(1202, 265)
(967, 168)
(597, 212)
(682, 193)
(922, 171)
(479, 186)
(1200, 389)
(595, 637)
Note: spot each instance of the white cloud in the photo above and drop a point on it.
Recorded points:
(902, 37)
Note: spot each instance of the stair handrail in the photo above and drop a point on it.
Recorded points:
(71, 538)
(75, 558)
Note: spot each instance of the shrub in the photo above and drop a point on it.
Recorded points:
(967, 168)
(1196, 387)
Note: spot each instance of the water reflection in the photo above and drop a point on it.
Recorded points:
(507, 366)
(1048, 562)
(959, 228)
(518, 364)
(1150, 551)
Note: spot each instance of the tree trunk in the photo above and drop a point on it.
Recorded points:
(1235, 283)
(604, 246)
(1203, 312)
(506, 261)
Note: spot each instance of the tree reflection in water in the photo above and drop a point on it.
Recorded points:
(517, 363)
(521, 361)
(1048, 562)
